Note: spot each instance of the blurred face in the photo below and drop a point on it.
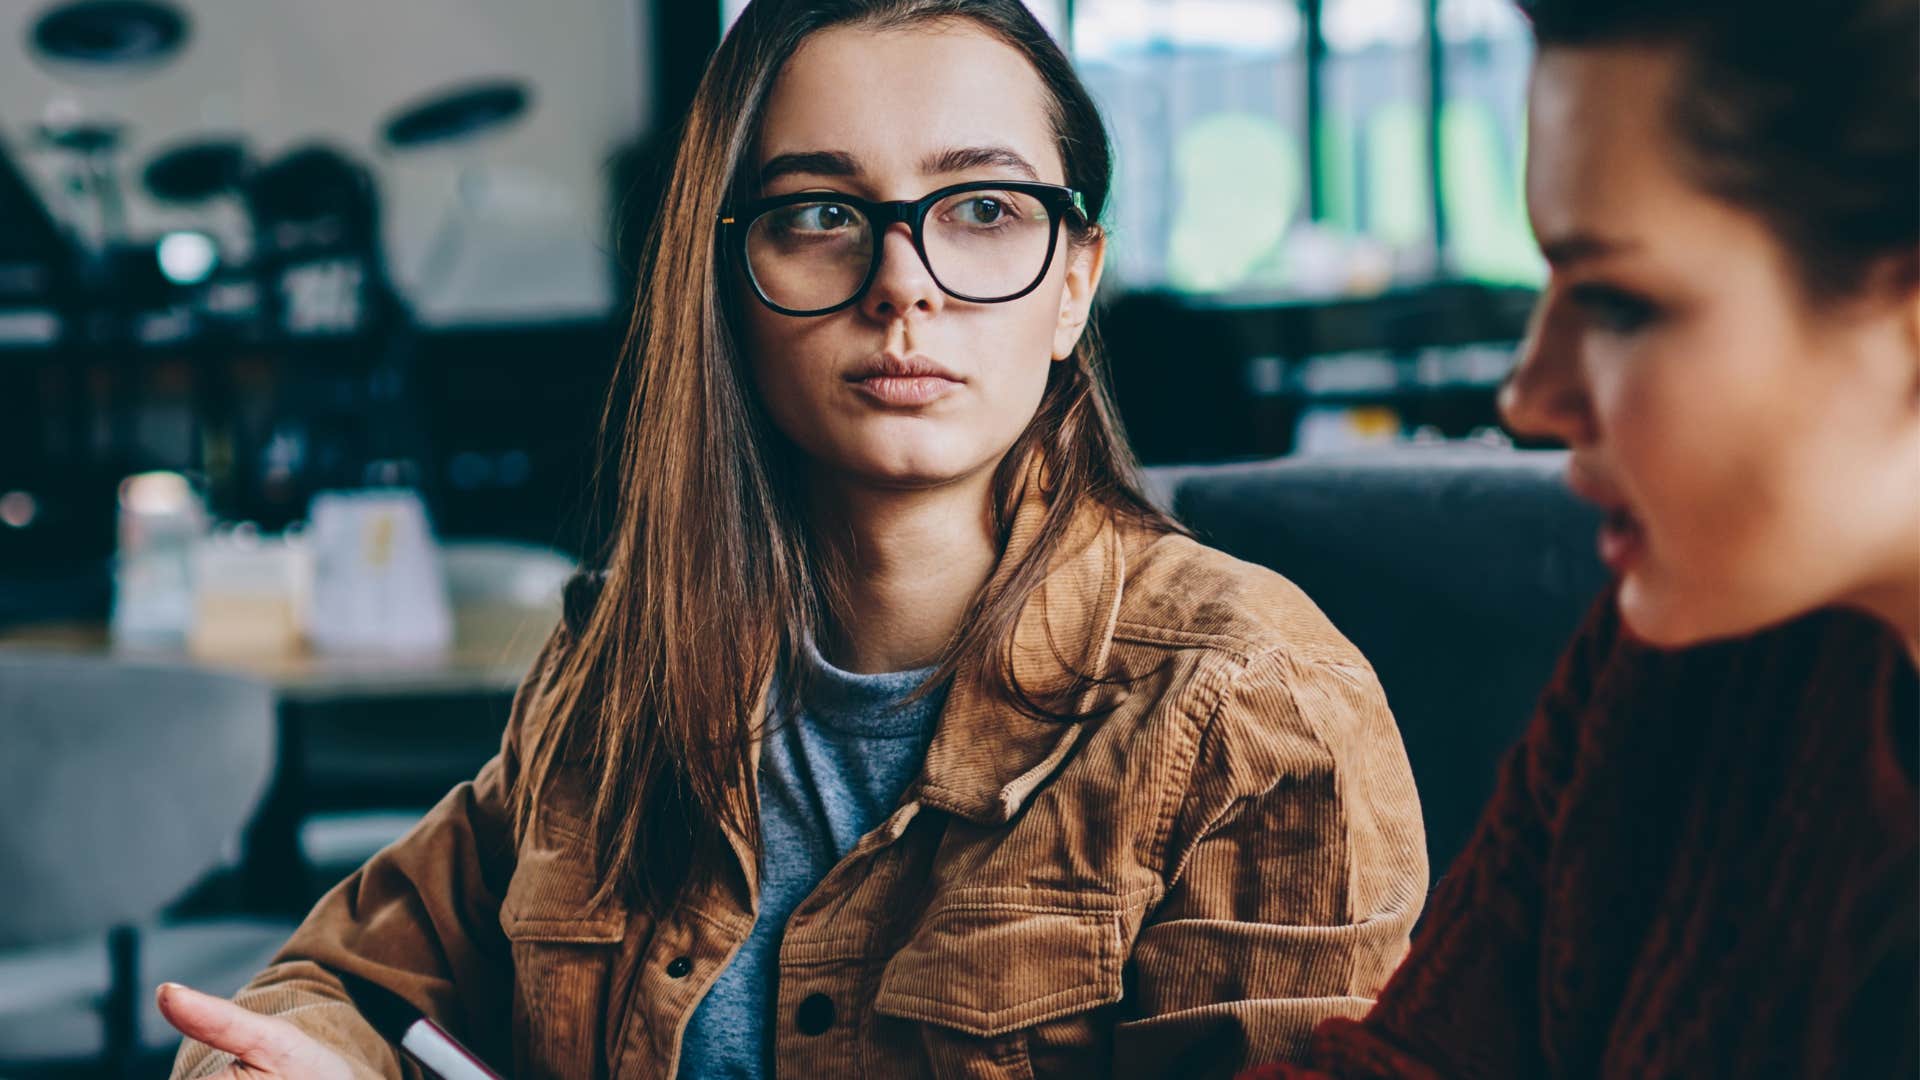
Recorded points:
(1758, 454)
(909, 386)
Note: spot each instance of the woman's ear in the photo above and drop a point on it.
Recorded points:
(1912, 305)
(1896, 281)
(1085, 261)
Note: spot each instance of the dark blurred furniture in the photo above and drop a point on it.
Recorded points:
(1214, 378)
(121, 787)
(368, 742)
(1460, 573)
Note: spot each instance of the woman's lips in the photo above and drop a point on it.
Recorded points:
(1622, 541)
(1622, 538)
(904, 381)
(905, 391)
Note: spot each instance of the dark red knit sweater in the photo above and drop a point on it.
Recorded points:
(1697, 863)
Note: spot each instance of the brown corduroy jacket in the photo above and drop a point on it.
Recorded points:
(1182, 887)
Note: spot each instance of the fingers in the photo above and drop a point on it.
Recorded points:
(263, 1042)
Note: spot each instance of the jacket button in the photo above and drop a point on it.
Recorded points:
(678, 967)
(815, 1014)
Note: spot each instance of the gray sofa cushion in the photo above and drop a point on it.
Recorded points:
(1460, 573)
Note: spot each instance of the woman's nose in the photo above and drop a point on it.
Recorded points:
(1545, 397)
(902, 284)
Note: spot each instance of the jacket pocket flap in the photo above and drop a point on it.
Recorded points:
(988, 968)
(550, 895)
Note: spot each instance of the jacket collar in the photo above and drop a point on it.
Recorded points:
(987, 757)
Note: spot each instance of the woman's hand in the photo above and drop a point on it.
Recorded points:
(265, 1046)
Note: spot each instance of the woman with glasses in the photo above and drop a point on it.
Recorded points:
(901, 736)
(1702, 860)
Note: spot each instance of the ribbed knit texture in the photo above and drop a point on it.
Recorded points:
(1699, 863)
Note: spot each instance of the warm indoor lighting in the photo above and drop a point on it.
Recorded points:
(187, 258)
(18, 509)
(155, 492)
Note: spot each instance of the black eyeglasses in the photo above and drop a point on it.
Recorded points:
(985, 242)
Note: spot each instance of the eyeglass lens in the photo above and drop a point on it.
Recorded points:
(982, 245)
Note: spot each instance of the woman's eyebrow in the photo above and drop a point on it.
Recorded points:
(1564, 251)
(946, 162)
(965, 158)
(809, 163)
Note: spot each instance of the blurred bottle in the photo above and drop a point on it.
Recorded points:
(161, 519)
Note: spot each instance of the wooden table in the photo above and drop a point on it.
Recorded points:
(493, 647)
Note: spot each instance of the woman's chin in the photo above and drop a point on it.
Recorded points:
(1667, 616)
(919, 454)
(906, 468)
(1651, 626)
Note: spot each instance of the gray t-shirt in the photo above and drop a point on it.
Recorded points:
(827, 777)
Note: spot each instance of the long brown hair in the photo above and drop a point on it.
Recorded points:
(712, 579)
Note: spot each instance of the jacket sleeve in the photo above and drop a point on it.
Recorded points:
(1296, 867)
(1466, 1001)
(421, 918)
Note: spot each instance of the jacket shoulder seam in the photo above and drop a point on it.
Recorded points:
(1206, 696)
(1139, 633)
(1171, 863)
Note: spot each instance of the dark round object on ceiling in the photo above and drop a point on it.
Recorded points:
(458, 113)
(191, 172)
(82, 138)
(310, 184)
(110, 32)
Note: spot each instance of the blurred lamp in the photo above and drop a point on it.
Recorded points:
(310, 184)
(457, 113)
(187, 258)
(196, 171)
(82, 137)
(105, 34)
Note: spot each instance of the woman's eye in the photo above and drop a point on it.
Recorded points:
(816, 218)
(1614, 310)
(984, 210)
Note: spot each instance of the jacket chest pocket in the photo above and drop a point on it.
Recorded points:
(563, 958)
(988, 970)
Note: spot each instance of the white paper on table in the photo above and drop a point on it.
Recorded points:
(377, 583)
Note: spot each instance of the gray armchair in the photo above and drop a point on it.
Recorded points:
(121, 786)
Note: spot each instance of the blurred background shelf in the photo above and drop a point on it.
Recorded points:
(306, 246)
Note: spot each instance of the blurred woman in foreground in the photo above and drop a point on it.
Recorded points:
(1701, 860)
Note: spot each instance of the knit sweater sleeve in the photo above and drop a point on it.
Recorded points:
(1465, 1001)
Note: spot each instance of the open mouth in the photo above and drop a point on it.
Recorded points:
(1622, 540)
